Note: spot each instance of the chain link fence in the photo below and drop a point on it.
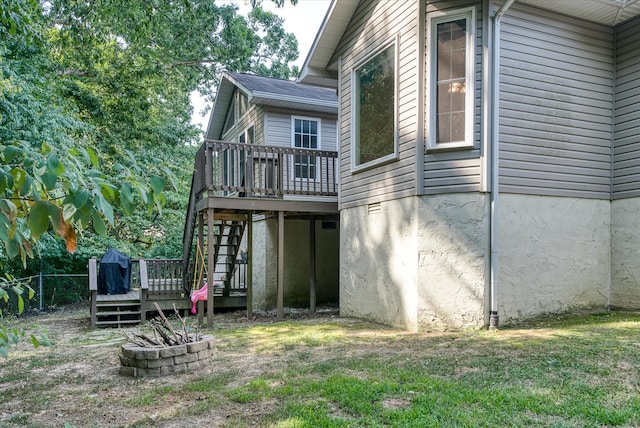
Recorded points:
(50, 291)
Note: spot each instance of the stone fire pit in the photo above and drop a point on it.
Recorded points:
(138, 361)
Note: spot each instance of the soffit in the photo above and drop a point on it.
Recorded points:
(607, 12)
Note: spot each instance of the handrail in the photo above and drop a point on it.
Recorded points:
(252, 170)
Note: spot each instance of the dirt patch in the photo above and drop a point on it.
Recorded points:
(76, 382)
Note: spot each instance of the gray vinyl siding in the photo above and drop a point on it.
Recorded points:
(373, 24)
(556, 105)
(626, 158)
(459, 170)
(278, 128)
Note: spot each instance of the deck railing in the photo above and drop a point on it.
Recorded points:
(250, 170)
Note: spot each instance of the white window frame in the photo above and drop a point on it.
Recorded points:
(433, 20)
(394, 42)
(293, 145)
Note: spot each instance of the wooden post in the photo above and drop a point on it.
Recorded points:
(250, 265)
(144, 287)
(211, 265)
(200, 244)
(280, 309)
(93, 289)
(312, 265)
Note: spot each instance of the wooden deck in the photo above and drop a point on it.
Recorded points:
(155, 282)
(232, 182)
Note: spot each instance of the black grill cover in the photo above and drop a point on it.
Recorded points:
(114, 273)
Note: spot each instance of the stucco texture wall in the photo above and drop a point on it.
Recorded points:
(453, 245)
(296, 264)
(416, 263)
(553, 255)
(378, 263)
(625, 253)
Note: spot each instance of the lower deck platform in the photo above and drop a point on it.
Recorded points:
(121, 310)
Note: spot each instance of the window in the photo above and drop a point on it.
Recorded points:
(243, 103)
(240, 100)
(230, 118)
(374, 109)
(451, 88)
(305, 135)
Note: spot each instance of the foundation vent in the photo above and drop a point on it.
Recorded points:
(375, 208)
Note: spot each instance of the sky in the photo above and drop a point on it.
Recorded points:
(303, 20)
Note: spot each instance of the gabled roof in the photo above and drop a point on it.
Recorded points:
(319, 70)
(314, 70)
(271, 92)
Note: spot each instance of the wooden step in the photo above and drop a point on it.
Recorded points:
(118, 304)
(117, 322)
(117, 313)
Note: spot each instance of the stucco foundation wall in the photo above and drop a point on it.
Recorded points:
(296, 263)
(553, 255)
(378, 262)
(453, 248)
(625, 253)
(265, 263)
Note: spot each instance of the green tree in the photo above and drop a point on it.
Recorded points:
(95, 113)
(94, 94)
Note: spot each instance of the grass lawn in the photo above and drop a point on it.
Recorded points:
(327, 371)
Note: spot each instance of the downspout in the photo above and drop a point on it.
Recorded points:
(495, 158)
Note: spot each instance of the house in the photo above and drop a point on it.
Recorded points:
(265, 186)
(489, 157)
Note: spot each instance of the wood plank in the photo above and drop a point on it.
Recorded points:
(250, 266)
(312, 265)
(211, 264)
(280, 284)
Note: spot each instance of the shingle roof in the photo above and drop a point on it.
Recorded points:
(277, 87)
(269, 91)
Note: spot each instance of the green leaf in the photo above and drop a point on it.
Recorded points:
(49, 180)
(11, 152)
(38, 220)
(157, 183)
(78, 199)
(44, 340)
(20, 305)
(93, 157)
(54, 166)
(6, 181)
(98, 224)
(4, 295)
(34, 341)
(104, 207)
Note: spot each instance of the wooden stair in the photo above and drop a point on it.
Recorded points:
(228, 239)
(118, 310)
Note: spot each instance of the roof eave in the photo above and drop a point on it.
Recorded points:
(294, 103)
(316, 65)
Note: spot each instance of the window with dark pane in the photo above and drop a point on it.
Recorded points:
(305, 136)
(451, 80)
(375, 108)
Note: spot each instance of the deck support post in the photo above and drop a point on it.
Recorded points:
(93, 289)
(200, 244)
(280, 285)
(249, 265)
(312, 265)
(211, 265)
(144, 287)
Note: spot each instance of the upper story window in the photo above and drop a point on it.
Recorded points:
(305, 134)
(238, 106)
(374, 108)
(451, 89)
(243, 103)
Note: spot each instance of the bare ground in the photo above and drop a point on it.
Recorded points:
(76, 382)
